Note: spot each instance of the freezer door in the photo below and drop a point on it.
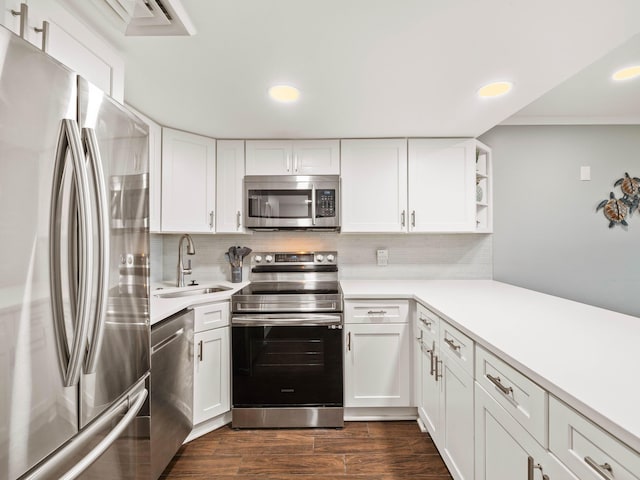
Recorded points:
(116, 145)
(113, 446)
(37, 412)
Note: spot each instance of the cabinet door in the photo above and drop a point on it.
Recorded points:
(188, 182)
(269, 157)
(442, 185)
(430, 387)
(72, 43)
(211, 377)
(377, 365)
(229, 177)
(455, 438)
(504, 450)
(316, 157)
(374, 185)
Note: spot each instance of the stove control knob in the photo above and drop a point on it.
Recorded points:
(330, 258)
(319, 257)
(268, 258)
(258, 258)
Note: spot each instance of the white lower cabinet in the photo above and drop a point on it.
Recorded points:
(427, 386)
(446, 391)
(590, 452)
(504, 450)
(377, 367)
(211, 376)
(455, 432)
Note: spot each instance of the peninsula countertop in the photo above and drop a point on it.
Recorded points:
(586, 356)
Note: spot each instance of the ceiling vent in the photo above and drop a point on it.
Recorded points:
(150, 17)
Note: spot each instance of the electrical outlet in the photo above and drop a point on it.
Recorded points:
(382, 254)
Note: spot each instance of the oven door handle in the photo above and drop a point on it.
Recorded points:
(286, 320)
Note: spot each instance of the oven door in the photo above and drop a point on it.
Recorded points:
(287, 360)
(292, 202)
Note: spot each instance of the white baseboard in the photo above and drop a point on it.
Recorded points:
(375, 414)
(209, 426)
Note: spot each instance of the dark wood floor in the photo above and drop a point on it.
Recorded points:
(362, 450)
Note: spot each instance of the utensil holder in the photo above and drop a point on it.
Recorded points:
(236, 274)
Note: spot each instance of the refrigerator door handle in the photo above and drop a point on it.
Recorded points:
(133, 406)
(102, 280)
(70, 357)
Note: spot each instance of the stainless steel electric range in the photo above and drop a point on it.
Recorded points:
(287, 343)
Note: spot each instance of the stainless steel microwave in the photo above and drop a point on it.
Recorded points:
(292, 202)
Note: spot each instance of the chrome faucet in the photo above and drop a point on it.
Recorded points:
(191, 250)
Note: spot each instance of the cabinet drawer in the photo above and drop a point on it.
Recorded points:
(590, 452)
(428, 321)
(211, 315)
(377, 311)
(457, 346)
(518, 395)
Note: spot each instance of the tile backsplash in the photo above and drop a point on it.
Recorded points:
(452, 256)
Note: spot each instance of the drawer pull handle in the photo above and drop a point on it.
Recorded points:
(531, 467)
(452, 344)
(605, 470)
(498, 383)
(438, 375)
(377, 312)
(426, 322)
(200, 355)
(349, 341)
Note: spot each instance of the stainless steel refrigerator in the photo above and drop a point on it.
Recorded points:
(74, 269)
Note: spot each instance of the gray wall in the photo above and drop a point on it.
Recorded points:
(547, 235)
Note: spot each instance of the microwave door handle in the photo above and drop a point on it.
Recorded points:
(313, 204)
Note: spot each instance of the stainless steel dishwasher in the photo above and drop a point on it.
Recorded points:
(171, 387)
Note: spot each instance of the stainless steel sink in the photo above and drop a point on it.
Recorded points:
(196, 291)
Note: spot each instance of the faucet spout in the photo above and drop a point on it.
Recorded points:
(191, 250)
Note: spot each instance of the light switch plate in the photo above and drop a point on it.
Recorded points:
(585, 173)
(382, 254)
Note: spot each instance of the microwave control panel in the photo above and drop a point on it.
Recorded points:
(325, 203)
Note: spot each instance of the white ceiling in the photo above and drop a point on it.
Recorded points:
(374, 68)
(590, 96)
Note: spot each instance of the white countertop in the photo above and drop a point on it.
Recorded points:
(586, 356)
(162, 308)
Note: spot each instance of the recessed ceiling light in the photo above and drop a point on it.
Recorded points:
(495, 89)
(284, 93)
(627, 73)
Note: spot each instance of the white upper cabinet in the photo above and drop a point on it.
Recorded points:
(70, 42)
(188, 182)
(316, 157)
(442, 185)
(293, 157)
(374, 185)
(229, 176)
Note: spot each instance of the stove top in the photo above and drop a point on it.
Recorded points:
(291, 288)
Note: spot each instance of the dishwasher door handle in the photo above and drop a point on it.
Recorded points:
(166, 341)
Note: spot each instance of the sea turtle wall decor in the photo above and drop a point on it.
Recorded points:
(630, 187)
(615, 210)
